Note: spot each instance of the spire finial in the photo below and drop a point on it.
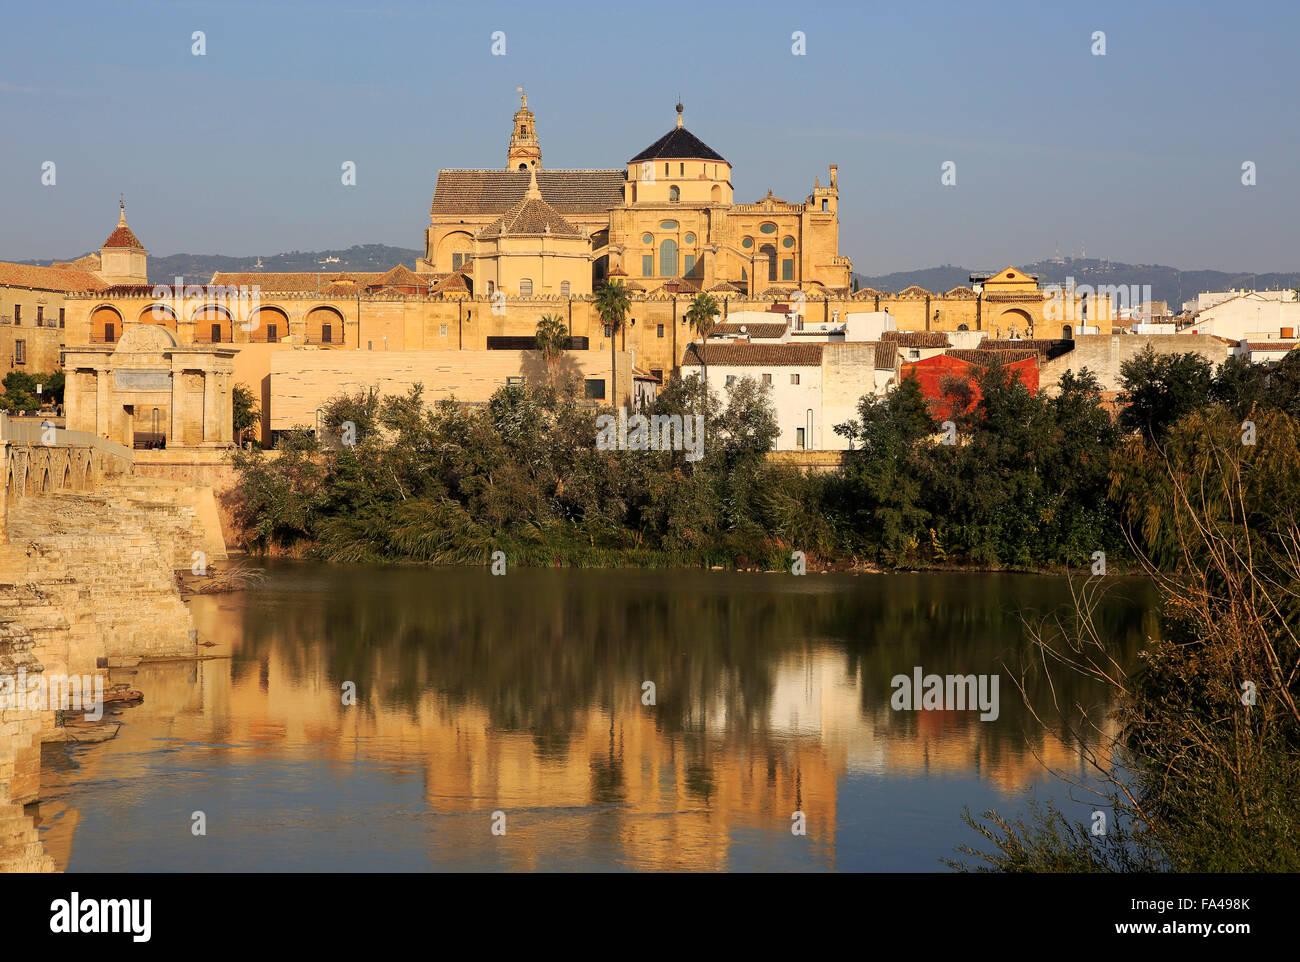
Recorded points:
(121, 220)
(679, 110)
(523, 97)
(534, 192)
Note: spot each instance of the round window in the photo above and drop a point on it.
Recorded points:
(747, 242)
(768, 228)
(647, 238)
(690, 238)
(787, 242)
(668, 225)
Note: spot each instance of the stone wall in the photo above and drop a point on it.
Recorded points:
(1103, 354)
(20, 760)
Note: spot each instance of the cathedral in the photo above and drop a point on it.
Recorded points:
(668, 217)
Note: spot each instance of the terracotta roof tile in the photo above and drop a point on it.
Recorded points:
(123, 237)
(293, 282)
(48, 278)
(986, 358)
(531, 216)
(496, 191)
(917, 338)
(759, 329)
(755, 355)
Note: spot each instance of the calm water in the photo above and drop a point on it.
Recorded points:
(523, 694)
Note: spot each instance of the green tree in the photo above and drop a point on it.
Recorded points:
(1161, 388)
(552, 340)
(246, 414)
(613, 305)
(702, 316)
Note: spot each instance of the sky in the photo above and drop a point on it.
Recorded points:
(1135, 155)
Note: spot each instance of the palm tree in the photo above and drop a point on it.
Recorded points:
(702, 315)
(552, 340)
(612, 305)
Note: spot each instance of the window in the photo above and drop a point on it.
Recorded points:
(60, 317)
(18, 314)
(515, 381)
(668, 258)
(565, 288)
(442, 330)
(110, 333)
(660, 331)
(787, 269)
(609, 330)
(731, 379)
(913, 354)
(826, 204)
(40, 316)
(665, 170)
(594, 389)
(689, 238)
(688, 264)
(674, 194)
(525, 287)
(770, 251)
(20, 352)
(272, 334)
(668, 225)
(457, 260)
(657, 372)
(787, 242)
(767, 228)
(647, 238)
(794, 378)
(647, 265)
(491, 287)
(370, 345)
(682, 171)
(767, 380)
(798, 438)
(747, 243)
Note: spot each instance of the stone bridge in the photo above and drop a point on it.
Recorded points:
(39, 458)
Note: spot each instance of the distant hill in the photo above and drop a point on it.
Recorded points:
(1167, 283)
(198, 268)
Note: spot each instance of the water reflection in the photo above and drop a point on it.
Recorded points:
(523, 694)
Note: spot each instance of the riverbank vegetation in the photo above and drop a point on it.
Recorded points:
(1029, 482)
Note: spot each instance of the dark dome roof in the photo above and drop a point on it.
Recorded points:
(678, 144)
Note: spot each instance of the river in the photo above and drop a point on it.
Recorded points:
(500, 723)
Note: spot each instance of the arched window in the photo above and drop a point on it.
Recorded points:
(565, 288)
(770, 251)
(525, 287)
(674, 194)
(668, 258)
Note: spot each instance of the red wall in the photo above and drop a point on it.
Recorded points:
(933, 370)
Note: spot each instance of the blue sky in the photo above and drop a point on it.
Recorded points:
(1136, 154)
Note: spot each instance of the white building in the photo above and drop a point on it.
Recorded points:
(813, 386)
(1257, 316)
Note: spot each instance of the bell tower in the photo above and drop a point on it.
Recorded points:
(525, 151)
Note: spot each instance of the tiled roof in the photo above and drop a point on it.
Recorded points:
(531, 216)
(961, 292)
(48, 278)
(914, 291)
(641, 375)
(293, 282)
(1272, 345)
(402, 276)
(123, 237)
(725, 287)
(917, 338)
(759, 329)
(678, 144)
(886, 355)
(1046, 347)
(990, 358)
(496, 191)
(755, 355)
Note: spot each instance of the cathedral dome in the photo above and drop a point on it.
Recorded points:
(678, 144)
